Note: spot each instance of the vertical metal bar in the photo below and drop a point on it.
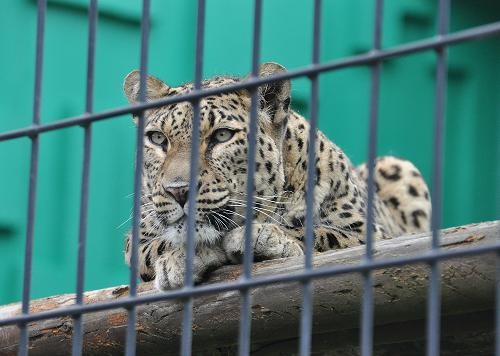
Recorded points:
(497, 307)
(246, 297)
(366, 335)
(87, 143)
(187, 316)
(130, 344)
(434, 296)
(28, 252)
(307, 288)
(497, 276)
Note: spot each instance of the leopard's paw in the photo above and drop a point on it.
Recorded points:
(169, 273)
(234, 244)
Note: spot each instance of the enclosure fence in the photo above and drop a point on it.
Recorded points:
(373, 59)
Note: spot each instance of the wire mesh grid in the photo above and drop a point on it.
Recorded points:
(373, 58)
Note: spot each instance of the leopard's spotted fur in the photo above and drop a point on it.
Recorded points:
(401, 203)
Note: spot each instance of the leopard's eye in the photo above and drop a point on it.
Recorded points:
(222, 135)
(157, 138)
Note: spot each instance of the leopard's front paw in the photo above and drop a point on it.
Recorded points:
(234, 244)
(170, 270)
(169, 273)
(269, 241)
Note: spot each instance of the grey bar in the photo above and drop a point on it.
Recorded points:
(497, 289)
(434, 297)
(130, 342)
(28, 252)
(313, 123)
(474, 33)
(366, 330)
(92, 28)
(252, 283)
(245, 323)
(307, 291)
(87, 144)
(497, 307)
(246, 297)
(40, 32)
(306, 318)
(187, 316)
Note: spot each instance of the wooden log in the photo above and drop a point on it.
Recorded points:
(400, 294)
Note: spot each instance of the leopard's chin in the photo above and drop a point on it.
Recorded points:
(205, 233)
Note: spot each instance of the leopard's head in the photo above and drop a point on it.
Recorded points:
(222, 159)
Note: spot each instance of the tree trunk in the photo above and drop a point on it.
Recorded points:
(400, 297)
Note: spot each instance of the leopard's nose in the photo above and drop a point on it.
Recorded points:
(179, 192)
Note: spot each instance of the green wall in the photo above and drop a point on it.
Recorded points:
(407, 93)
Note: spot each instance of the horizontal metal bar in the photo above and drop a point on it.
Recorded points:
(363, 59)
(197, 291)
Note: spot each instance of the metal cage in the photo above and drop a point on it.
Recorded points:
(372, 59)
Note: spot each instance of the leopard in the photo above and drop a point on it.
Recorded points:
(401, 202)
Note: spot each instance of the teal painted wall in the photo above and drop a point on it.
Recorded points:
(472, 152)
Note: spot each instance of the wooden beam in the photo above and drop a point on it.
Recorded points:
(400, 293)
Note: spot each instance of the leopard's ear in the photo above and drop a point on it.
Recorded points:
(155, 87)
(275, 96)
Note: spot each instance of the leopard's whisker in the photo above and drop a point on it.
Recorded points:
(218, 221)
(275, 201)
(262, 211)
(236, 225)
(273, 195)
(236, 204)
(123, 223)
(233, 212)
(262, 206)
(277, 206)
(149, 214)
(130, 218)
(336, 228)
(222, 216)
(217, 218)
(142, 195)
(157, 224)
(258, 207)
(269, 216)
